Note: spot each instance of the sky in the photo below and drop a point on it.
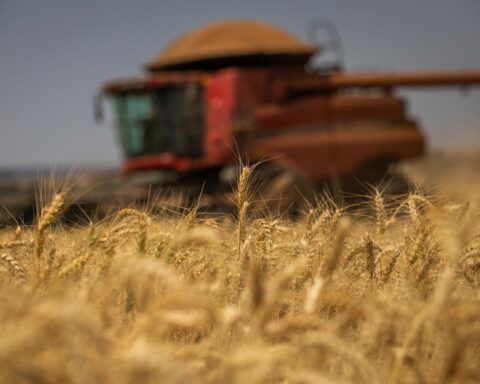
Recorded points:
(55, 54)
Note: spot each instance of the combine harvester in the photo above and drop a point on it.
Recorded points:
(244, 89)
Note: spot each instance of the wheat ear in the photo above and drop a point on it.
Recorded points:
(380, 212)
(18, 270)
(242, 202)
(48, 216)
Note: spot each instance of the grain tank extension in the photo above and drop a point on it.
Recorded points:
(246, 88)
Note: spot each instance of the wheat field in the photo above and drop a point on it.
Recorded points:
(385, 293)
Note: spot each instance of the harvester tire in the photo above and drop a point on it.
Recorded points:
(381, 173)
(281, 191)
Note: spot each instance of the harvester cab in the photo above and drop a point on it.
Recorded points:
(243, 89)
(200, 93)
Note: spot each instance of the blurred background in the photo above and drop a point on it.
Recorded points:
(55, 54)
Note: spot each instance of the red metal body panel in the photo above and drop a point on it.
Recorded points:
(331, 109)
(340, 151)
(221, 101)
(160, 161)
(335, 134)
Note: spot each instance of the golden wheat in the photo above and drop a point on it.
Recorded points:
(334, 297)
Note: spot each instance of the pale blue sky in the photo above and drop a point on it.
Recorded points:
(54, 54)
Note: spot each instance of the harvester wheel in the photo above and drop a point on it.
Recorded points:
(281, 190)
(381, 173)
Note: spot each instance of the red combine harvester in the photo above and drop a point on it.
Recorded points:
(243, 89)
